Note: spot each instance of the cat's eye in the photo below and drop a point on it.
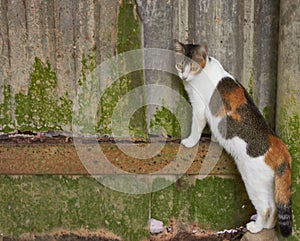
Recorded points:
(178, 66)
(195, 67)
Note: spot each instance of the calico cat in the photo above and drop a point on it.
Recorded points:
(261, 157)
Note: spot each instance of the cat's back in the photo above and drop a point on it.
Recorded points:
(235, 117)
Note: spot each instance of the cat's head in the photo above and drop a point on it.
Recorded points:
(190, 59)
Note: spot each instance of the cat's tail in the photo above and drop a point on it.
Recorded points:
(283, 194)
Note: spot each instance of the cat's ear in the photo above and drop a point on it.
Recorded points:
(202, 51)
(178, 47)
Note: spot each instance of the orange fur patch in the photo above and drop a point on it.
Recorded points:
(234, 99)
(203, 63)
(279, 159)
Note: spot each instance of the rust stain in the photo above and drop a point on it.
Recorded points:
(60, 158)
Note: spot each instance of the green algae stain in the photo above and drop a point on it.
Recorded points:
(214, 203)
(129, 38)
(290, 133)
(267, 114)
(170, 122)
(250, 85)
(88, 64)
(6, 110)
(42, 204)
(109, 100)
(165, 119)
(40, 109)
(129, 29)
(97, 118)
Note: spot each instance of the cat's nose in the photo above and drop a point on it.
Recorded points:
(184, 76)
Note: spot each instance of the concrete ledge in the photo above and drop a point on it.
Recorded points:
(32, 156)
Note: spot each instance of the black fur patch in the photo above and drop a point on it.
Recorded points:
(282, 168)
(190, 49)
(252, 128)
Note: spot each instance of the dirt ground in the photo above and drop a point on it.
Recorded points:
(174, 232)
(182, 236)
(194, 233)
(82, 235)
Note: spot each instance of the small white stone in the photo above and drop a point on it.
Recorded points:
(156, 226)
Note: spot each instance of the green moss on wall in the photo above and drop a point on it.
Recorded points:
(213, 203)
(290, 132)
(108, 102)
(6, 110)
(40, 109)
(40, 204)
(165, 119)
(128, 38)
(250, 85)
(129, 29)
(88, 64)
(267, 114)
(170, 122)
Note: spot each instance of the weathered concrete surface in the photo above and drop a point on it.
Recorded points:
(288, 92)
(288, 96)
(156, 18)
(242, 35)
(60, 31)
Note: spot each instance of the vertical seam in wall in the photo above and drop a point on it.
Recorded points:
(55, 13)
(191, 20)
(8, 41)
(74, 47)
(252, 13)
(9, 64)
(97, 12)
(26, 20)
(278, 66)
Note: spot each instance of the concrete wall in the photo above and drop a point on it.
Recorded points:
(244, 36)
(48, 48)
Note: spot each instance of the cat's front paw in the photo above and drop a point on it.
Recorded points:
(253, 227)
(189, 142)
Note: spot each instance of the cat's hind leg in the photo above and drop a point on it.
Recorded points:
(271, 222)
(260, 222)
(259, 182)
(266, 215)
